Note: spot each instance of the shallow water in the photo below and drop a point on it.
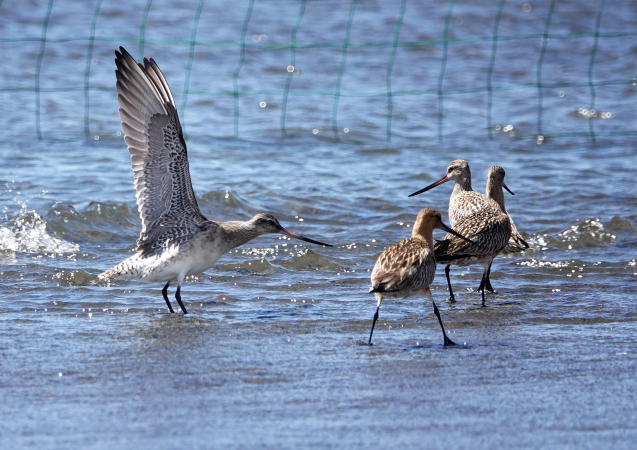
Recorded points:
(272, 353)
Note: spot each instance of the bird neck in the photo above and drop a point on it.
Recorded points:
(423, 233)
(462, 184)
(238, 233)
(494, 192)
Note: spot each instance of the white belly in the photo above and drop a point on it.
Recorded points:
(174, 262)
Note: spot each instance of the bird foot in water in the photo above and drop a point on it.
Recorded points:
(449, 341)
(491, 291)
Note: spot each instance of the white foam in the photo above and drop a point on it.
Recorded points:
(28, 234)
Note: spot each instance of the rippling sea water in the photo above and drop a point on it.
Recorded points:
(272, 351)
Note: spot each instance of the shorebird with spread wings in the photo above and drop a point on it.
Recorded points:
(176, 239)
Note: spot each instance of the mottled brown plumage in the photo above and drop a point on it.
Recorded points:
(475, 216)
(409, 267)
(495, 183)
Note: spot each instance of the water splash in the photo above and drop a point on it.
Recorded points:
(538, 263)
(590, 232)
(27, 233)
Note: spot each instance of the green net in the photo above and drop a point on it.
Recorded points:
(334, 69)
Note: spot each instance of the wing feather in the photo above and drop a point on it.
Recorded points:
(488, 228)
(165, 198)
(516, 241)
(406, 266)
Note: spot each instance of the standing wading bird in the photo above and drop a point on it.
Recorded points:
(495, 183)
(176, 239)
(409, 267)
(475, 216)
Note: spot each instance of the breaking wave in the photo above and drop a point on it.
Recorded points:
(586, 233)
(27, 232)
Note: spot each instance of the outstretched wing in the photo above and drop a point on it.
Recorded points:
(165, 199)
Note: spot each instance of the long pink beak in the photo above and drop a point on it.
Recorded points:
(302, 238)
(432, 185)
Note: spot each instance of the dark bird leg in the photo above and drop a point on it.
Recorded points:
(451, 297)
(164, 292)
(488, 286)
(483, 283)
(437, 313)
(178, 297)
(373, 324)
(488, 281)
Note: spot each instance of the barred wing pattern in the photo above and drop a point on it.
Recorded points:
(516, 241)
(494, 230)
(165, 198)
(414, 270)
